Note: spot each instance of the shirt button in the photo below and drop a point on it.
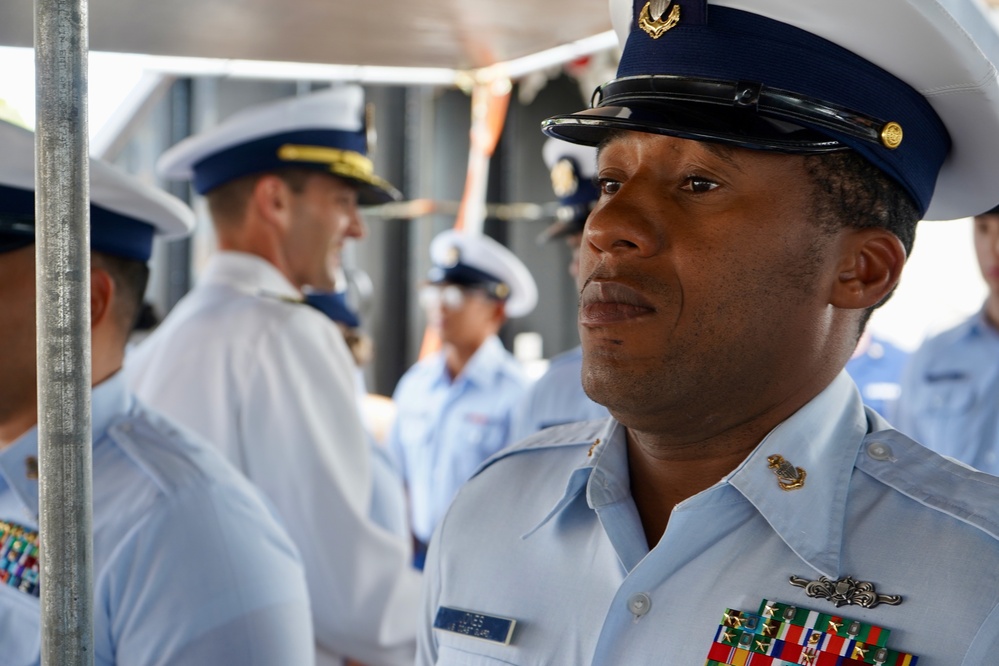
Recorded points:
(879, 451)
(639, 604)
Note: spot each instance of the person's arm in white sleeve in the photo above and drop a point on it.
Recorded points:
(305, 447)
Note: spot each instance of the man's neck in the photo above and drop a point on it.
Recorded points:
(665, 473)
(456, 357)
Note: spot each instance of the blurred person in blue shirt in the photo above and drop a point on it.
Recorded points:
(950, 390)
(454, 407)
(876, 366)
(557, 397)
(190, 563)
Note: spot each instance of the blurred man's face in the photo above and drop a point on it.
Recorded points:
(324, 214)
(987, 249)
(465, 316)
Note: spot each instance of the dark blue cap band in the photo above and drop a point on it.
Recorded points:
(110, 232)
(467, 276)
(737, 45)
(262, 155)
(333, 304)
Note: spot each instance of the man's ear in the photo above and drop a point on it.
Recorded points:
(499, 314)
(272, 199)
(870, 266)
(102, 292)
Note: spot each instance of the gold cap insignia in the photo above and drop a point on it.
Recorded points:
(564, 181)
(502, 290)
(789, 477)
(452, 257)
(651, 18)
(891, 135)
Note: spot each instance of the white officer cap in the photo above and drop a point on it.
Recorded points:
(479, 261)
(125, 213)
(572, 167)
(326, 131)
(898, 81)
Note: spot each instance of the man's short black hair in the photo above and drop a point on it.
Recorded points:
(850, 192)
(130, 278)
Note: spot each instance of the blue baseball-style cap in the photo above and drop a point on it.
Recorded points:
(572, 167)
(479, 261)
(125, 213)
(325, 131)
(898, 81)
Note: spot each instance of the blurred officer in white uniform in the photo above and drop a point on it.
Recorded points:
(245, 362)
(762, 166)
(190, 564)
(558, 397)
(454, 407)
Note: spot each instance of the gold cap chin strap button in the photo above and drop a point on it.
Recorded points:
(891, 135)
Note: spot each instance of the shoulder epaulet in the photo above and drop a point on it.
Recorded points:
(933, 480)
(583, 433)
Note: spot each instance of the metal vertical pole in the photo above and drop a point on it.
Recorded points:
(62, 220)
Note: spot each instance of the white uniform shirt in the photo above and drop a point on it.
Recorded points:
(271, 383)
(548, 534)
(190, 564)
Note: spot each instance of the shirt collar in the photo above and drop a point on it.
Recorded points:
(248, 273)
(809, 520)
(109, 400)
(485, 362)
(979, 324)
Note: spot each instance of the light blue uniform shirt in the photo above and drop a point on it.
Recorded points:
(950, 394)
(190, 565)
(547, 534)
(556, 398)
(444, 430)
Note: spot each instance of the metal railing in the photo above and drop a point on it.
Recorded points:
(62, 251)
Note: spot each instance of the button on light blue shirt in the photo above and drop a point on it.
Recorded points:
(556, 398)
(950, 394)
(548, 534)
(445, 429)
(190, 564)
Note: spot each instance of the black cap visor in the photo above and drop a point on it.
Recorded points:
(16, 232)
(739, 113)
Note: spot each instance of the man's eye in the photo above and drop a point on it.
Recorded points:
(608, 186)
(699, 185)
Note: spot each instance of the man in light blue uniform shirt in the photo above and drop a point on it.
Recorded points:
(454, 407)
(558, 397)
(762, 167)
(950, 391)
(190, 564)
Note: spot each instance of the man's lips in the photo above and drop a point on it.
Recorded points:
(603, 303)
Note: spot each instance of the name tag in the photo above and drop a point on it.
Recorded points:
(475, 625)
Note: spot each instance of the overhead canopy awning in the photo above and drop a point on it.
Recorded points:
(465, 35)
